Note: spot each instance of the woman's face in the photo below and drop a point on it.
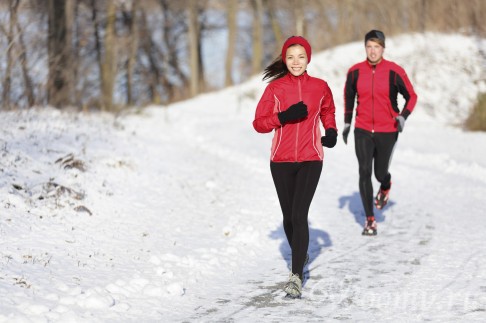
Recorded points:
(296, 60)
(374, 52)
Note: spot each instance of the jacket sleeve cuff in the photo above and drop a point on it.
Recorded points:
(405, 113)
(332, 132)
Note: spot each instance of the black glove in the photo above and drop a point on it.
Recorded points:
(330, 139)
(294, 112)
(347, 128)
(400, 123)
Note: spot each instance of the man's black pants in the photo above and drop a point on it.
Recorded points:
(378, 148)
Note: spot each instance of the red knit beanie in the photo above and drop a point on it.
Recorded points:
(296, 40)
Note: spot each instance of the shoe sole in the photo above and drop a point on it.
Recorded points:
(369, 232)
(380, 206)
(293, 297)
(293, 293)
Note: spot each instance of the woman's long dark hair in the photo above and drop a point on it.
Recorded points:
(275, 70)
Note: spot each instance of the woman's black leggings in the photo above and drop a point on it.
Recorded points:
(296, 184)
(378, 147)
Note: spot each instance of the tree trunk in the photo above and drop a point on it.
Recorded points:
(108, 65)
(277, 30)
(200, 62)
(172, 57)
(77, 68)
(232, 10)
(29, 88)
(193, 48)
(7, 82)
(132, 55)
(300, 28)
(156, 76)
(97, 38)
(257, 58)
(59, 83)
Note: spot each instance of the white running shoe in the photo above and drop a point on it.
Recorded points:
(293, 288)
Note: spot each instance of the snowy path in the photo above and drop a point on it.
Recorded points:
(418, 268)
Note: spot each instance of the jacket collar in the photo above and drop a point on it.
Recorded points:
(371, 65)
(302, 77)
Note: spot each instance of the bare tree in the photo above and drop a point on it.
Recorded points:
(476, 14)
(155, 76)
(60, 82)
(174, 27)
(257, 41)
(108, 62)
(276, 28)
(23, 58)
(232, 10)
(300, 27)
(105, 52)
(193, 32)
(7, 82)
(131, 22)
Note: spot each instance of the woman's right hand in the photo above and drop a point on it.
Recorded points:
(294, 112)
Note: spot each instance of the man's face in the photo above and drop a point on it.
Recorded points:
(374, 52)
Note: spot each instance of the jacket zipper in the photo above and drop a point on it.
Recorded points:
(298, 124)
(373, 100)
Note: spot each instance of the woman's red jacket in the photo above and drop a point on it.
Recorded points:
(300, 140)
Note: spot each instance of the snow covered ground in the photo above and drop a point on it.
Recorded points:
(170, 214)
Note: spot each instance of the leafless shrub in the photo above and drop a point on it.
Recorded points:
(82, 208)
(477, 119)
(20, 281)
(69, 162)
(56, 190)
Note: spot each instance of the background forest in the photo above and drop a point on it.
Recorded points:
(109, 55)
